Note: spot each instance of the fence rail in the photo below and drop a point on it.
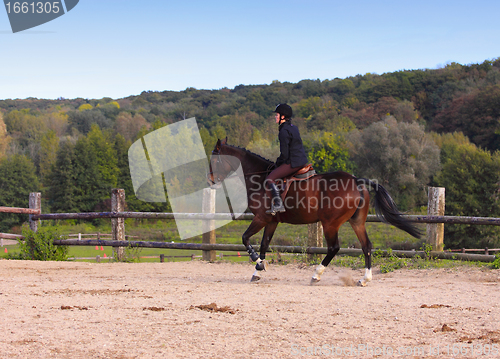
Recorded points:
(19, 210)
(435, 221)
(250, 216)
(283, 249)
(485, 250)
(81, 236)
(10, 236)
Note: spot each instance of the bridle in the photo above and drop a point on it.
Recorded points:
(220, 162)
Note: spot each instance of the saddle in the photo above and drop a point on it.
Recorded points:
(302, 174)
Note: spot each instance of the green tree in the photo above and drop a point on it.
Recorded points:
(102, 145)
(328, 152)
(208, 140)
(256, 103)
(83, 121)
(324, 117)
(344, 87)
(477, 114)
(90, 187)
(219, 132)
(4, 138)
(447, 143)
(110, 110)
(363, 114)
(238, 128)
(84, 174)
(400, 156)
(26, 128)
(125, 181)
(49, 145)
(309, 106)
(470, 176)
(263, 147)
(63, 187)
(17, 179)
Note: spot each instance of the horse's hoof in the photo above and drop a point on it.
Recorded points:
(255, 278)
(362, 283)
(314, 280)
(261, 265)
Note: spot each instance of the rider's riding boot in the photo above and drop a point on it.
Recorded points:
(276, 201)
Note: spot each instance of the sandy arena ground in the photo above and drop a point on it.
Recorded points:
(160, 310)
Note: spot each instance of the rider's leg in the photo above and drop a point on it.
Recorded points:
(280, 172)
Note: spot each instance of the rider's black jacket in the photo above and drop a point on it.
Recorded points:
(291, 148)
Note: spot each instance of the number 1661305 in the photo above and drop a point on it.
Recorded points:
(33, 7)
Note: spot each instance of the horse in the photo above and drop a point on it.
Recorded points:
(330, 198)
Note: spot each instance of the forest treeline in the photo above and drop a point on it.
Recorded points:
(406, 129)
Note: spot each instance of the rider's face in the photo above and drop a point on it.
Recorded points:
(277, 117)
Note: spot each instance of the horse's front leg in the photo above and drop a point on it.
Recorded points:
(264, 246)
(256, 225)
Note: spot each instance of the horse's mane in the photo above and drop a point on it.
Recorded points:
(251, 153)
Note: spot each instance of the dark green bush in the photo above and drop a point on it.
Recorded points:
(40, 245)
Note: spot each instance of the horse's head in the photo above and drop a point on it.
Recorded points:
(223, 163)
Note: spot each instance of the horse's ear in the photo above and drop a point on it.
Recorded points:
(217, 146)
(224, 141)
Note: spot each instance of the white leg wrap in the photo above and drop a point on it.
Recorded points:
(319, 272)
(368, 277)
(368, 274)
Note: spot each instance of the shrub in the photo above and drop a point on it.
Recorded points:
(40, 245)
(496, 262)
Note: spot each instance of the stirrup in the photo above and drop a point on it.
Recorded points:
(271, 211)
(275, 209)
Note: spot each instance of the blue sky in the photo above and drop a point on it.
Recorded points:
(118, 48)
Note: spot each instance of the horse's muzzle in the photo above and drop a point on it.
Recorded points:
(212, 184)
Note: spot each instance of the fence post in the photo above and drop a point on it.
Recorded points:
(35, 202)
(208, 225)
(118, 224)
(435, 207)
(314, 238)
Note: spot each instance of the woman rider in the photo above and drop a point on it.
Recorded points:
(292, 155)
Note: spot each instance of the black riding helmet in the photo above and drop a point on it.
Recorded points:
(284, 109)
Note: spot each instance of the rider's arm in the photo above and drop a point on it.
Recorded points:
(284, 137)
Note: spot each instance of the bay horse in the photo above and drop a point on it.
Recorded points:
(330, 198)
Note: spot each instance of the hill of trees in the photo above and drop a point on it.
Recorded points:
(408, 129)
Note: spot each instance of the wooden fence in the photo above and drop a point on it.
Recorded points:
(435, 220)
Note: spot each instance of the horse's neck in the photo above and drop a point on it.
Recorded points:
(254, 168)
(250, 163)
(254, 164)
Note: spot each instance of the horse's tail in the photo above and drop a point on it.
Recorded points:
(387, 211)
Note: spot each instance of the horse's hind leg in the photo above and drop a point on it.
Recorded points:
(332, 240)
(366, 245)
